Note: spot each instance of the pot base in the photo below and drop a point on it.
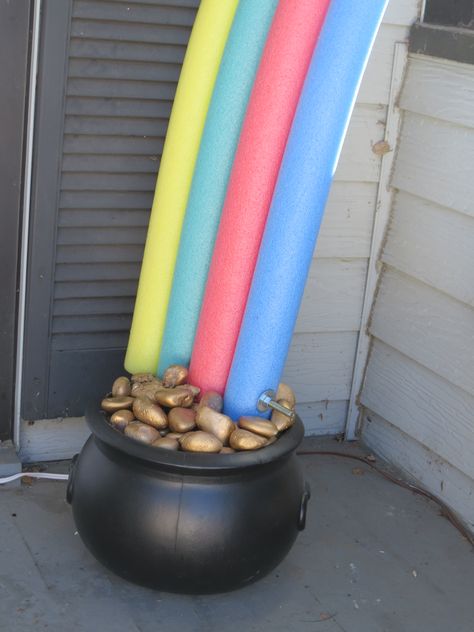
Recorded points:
(187, 523)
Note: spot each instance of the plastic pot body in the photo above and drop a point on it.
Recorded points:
(188, 523)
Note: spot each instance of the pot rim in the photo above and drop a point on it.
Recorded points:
(286, 443)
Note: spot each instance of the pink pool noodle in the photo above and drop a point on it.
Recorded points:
(285, 60)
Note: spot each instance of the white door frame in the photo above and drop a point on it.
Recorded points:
(30, 131)
(382, 214)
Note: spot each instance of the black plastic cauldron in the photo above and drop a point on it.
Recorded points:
(184, 522)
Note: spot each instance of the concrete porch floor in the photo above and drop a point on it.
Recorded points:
(373, 558)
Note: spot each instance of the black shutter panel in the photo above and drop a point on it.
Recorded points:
(122, 67)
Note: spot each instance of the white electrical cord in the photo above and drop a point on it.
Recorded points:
(54, 477)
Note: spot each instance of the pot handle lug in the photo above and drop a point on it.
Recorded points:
(70, 482)
(303, 507)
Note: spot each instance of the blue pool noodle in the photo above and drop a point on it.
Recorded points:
(297, 208)
(213, 166)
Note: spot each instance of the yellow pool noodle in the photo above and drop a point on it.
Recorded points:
(193, 94)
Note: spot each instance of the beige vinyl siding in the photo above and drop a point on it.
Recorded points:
(418, 394)
(321, 362)
(421, 464)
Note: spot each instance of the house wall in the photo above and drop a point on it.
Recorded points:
(321, 361)
(418, 395)
(113, 78)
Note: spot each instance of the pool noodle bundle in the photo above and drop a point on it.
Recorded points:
(298, 204)
(191, 103)
(293, 34)
(213, 165)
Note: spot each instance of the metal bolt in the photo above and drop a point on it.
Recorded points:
(267, 400)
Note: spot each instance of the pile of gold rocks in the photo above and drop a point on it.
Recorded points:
(170, 414)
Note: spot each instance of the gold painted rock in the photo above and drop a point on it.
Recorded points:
(141, 432)
(166, 443)
(183, 436)
(181, 419)
(121, 418)
(195, 390)
(227, 450)
(173, 397)
(270, 441)
(150, 413)
(245, 440)
(286, 392)
(175, 435)
(175, 375)
(281, 421)
(112, 404)
(121, 387)
(144, 378)
(258, 426)
(219, 425)
(200, 442)
(146, 389)
(213, 400)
